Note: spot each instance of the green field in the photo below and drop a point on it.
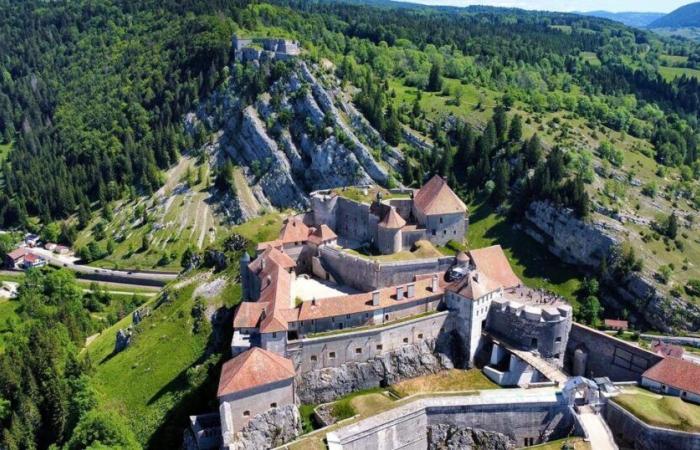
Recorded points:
(530, 260)
(660, 410)
(671, 73)
(446, 381)
(590, 57)
(164, 375)
(674, 60)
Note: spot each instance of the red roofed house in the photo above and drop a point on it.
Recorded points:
(250, 384)
(674, 376)
(613, 324)
(31, 260)
(15, 258)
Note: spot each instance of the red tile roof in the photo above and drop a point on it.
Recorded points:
(322, 234)
(436, 197)
(351, 304)
(392, 219)
(17, 253)
(492, 262)
(616, 324)
(474, 286)
(294, 230)
(248, 314)
(666, 349)
(677, 373)
(32, 258)
(252, 368)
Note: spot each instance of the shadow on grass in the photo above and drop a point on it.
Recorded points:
(535, 260)
(194, 399)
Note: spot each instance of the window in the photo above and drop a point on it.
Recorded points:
(347, 316)
(246, 413)
(379, 347)
(433, 232)
(405, 340)
(557, 339)
(444, 232)
(454, 231)
(386, 316)
(331, 355)
(534, 342)
(420, 335)
(314, 358)
(333, 319)
(273, 405)
(366, 315)
(440, 219)
(358, 350)
(274, 335)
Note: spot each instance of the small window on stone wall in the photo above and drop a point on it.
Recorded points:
(420, 335)
(273, 405)
(358, 350)
(379, 347)
(331, 354)
(246, 413)
(557, 339)
(314, 358)
(405, 340)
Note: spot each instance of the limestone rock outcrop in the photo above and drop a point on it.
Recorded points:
(271, 429)
(325, 385)
(586, 244)
(299, 136)
(450, 437)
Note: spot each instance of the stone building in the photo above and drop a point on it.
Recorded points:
(433, 212)
(253, 49)
(674, 376)
(251, 384)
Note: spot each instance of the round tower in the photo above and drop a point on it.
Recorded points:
(389, 236)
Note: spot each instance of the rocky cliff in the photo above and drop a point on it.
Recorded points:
(444, 436)
(586, 244)
(299, 135)
(268, 430)
(325, 385)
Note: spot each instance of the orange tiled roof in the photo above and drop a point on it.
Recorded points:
(392, 219)
(271, 255)
(667, 349)
(351, 304)
(17, 253)
(294, 230)
(474, 286)
(436, 197)
(248, 314)
(492, 262)
(252, 368)
(613, 323)
(676, 372)
(322, 234)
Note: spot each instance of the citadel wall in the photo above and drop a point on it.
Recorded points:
(359, 346)
(592, 353)
(530, 415)
(366, 275)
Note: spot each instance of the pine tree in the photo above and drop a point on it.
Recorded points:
(434, 78)
(515, 132)
(672, 226)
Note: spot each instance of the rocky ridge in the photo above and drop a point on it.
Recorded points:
(445, 436)
(328, 384)
(586, 244)
(268, 430)
(299, 136)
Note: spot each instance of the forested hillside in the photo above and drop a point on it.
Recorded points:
(99, 100)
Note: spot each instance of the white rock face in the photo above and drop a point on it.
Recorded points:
(293, 139)
(268, 430)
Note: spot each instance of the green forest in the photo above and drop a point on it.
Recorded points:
(518, 106)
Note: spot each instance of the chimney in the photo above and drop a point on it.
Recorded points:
(375, 298)
(313, 301)
(434, 284)
(399, 292)
(411, 290)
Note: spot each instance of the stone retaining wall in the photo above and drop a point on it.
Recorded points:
(630, 432)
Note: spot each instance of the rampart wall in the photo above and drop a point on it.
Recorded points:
(365, 274)
(631, 432)
(357, 346)
(592, 353)
(535, 414)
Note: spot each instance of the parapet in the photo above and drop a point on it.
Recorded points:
(535, 313)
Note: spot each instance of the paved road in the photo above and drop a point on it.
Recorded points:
(97, 273)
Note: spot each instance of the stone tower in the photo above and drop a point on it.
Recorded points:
(389, 236)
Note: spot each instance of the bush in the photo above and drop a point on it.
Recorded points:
(342, 409)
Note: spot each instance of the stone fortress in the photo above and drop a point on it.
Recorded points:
(315, 325)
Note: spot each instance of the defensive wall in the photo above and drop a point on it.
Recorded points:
(334, 350)
(630, 432)
(366, 274)
(537, 414)
(591, 353)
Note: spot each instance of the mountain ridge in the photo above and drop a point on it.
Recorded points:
(685, 16)
(629, 18)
